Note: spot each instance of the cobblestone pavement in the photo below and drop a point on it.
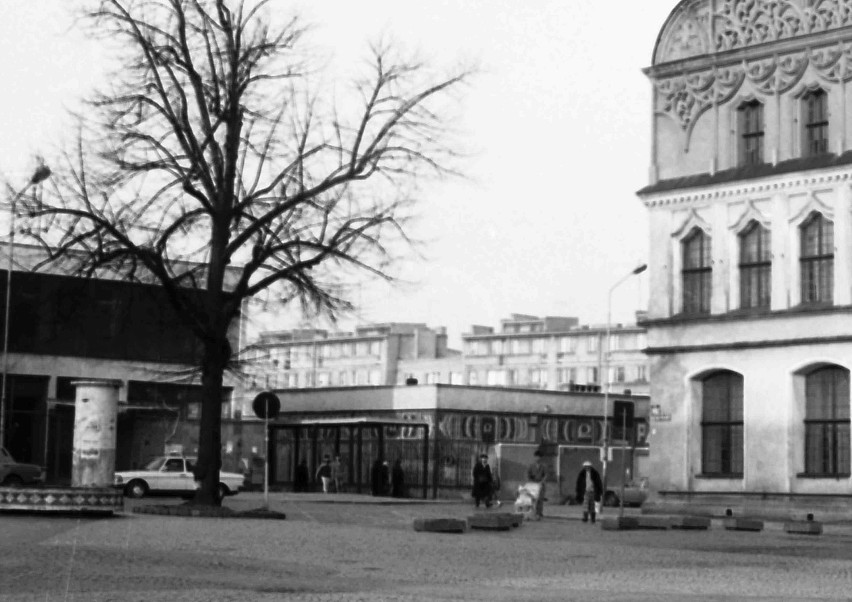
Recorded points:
(369, 551)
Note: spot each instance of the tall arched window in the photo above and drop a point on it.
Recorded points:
(697, 273)
(816, 123)
(827, 422)
(751, 133)
(755, 266)
(722, 424)
(817, 259)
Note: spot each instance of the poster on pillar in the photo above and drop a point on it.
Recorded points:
(96, 410)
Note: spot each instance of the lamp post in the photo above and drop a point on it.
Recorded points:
(41, 173)
(604, 446)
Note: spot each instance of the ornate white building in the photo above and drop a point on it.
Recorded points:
(750, 205)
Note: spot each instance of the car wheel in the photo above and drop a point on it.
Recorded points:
(136, 489)
(13, 480)
(222, 491)
(610, 499)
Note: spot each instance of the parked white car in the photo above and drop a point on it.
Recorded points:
(171, 475)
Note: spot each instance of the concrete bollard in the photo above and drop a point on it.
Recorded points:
(743, 524)
(95, 421)
(804, 527)
(653, 522)
(440, 525)
(502, 521)
(619, 523)
(690, 522)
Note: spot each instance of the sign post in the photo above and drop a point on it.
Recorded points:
(266, 405)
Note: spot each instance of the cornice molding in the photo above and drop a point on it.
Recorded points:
(739, 189)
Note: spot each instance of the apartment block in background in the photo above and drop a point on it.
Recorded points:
(373, 354)
(555, 353)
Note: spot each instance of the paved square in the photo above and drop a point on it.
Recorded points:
(370, 551)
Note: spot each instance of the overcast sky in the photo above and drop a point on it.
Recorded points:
(558, 119)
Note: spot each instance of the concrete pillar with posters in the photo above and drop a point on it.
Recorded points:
(95, 425)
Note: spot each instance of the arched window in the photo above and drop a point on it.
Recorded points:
(815, 109)
(817, 259)
(722, 424)
(755, 266)
(751, 133)
(697, 273)
(827, 422)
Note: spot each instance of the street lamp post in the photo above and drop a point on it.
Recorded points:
(41, 173)
(605, 445)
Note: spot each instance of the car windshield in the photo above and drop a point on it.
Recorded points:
(154, 464)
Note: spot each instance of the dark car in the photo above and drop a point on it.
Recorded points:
(635, 493)
(18, 474)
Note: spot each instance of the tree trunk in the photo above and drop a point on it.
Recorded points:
(214, 360)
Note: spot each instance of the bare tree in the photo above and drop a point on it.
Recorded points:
(211, 165)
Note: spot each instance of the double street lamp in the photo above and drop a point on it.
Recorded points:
(605, 443)
(41, 173)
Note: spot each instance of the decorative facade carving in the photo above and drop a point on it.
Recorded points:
(743, 23)
(750, 214)
(685, 97)
(706, 26)
(689, 34)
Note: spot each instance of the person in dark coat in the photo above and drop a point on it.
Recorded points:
(376, 487)
(384, 478)
(483, 482)
(589, 490)
(302, 477)
(397, 479)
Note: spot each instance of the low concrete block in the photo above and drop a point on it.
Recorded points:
(743, 524)
(440, 525)
(690, 522)
(499, 521)
(515, 518)
(653, 522)
(803, 527)
(619, 523)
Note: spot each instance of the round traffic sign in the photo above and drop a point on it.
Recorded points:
(266, 405)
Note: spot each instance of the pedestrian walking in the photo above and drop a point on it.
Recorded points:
(589, 490)
(336, 474)
(483, 482)
(376, 477)
(324, 474)
(384, 478)
(302, 478)
(397, 479)
(537, 473)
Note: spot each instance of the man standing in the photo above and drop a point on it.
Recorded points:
(324, 474)
(483, 482)
(537, 473)
(589, 490)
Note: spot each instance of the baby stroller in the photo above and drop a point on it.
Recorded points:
(527, 498)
